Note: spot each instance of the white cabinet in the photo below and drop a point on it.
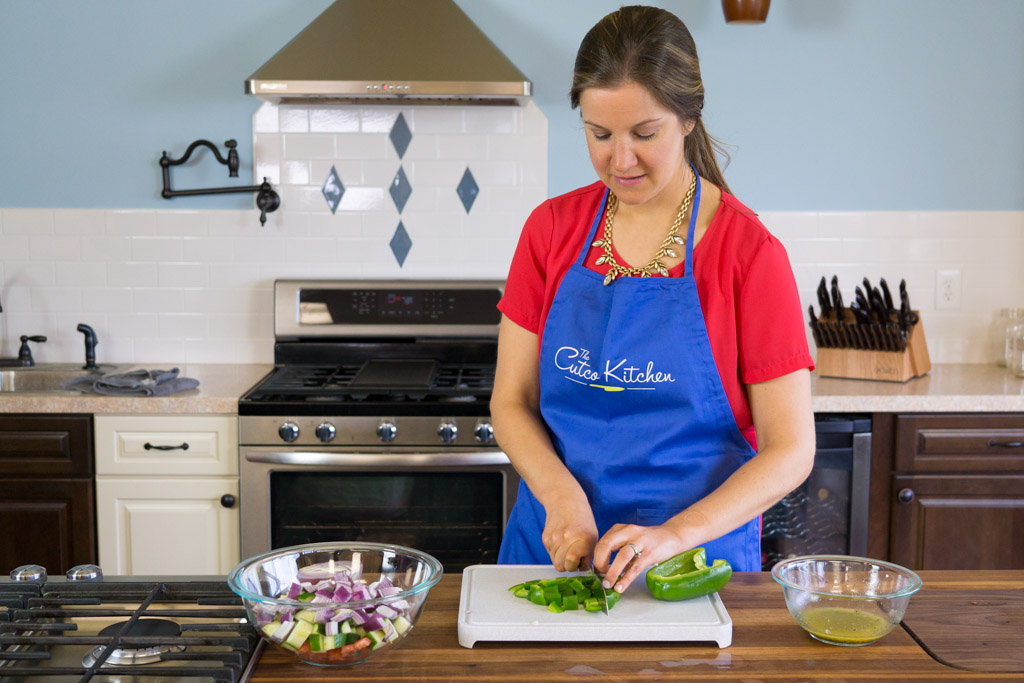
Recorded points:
(166, 494)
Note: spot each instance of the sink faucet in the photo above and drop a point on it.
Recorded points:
(90, 346)
(25, 352)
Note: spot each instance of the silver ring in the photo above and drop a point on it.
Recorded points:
(637, 553)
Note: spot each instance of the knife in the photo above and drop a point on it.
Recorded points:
(600, 587)
(823, 301)
(886, 294)
(814, 327)
(837, 298)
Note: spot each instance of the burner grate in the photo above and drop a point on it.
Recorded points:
(48, 635)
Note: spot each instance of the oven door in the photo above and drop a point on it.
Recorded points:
(452, 504)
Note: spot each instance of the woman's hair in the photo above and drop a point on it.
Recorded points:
(653, 48)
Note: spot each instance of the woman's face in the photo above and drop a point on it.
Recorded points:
(635, 144)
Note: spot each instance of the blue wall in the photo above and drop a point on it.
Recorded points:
(830, 105)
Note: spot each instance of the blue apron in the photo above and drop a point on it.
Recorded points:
(634, 405)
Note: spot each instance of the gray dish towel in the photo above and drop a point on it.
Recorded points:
(135, 383)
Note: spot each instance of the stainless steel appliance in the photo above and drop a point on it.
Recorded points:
(828, 512)
(88, 627)
(374, 424)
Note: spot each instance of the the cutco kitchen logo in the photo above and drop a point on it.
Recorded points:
(618, 375)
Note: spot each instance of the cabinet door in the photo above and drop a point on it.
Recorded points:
(958, 522)
(48, 522)
(46, 445)
(167, 526)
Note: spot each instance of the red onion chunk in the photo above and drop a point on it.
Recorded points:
(387, 611)
(294, 591)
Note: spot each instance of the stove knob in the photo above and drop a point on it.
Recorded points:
(29, 572)
(387, 431)
(289, 431)
(484, 433)
(84, 572)
(325, 431)
(448, 432)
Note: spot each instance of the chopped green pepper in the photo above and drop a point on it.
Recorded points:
(687, 575)
(568, 593)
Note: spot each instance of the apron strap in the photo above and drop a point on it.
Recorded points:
(593, 230)
(688, 267)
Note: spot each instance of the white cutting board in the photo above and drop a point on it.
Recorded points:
(489, 611)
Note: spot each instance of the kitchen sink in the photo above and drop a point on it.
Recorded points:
(49, 378)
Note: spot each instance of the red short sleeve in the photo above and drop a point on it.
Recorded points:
(770, 332)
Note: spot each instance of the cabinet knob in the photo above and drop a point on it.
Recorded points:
(905, 495)
(227, 500)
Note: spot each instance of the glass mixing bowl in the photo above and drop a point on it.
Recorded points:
(335, 604)
(843, 600)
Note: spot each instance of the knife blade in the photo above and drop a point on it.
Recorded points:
(600, 587)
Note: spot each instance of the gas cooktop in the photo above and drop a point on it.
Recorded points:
(87, 627)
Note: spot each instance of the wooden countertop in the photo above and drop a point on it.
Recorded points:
(767, 645)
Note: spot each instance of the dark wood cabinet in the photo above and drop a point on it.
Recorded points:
(47, 500)
(957, 491)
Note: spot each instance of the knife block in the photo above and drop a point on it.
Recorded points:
(885, 366)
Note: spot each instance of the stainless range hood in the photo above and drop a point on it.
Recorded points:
(390, 51)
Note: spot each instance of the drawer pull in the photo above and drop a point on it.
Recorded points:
(150, 447)
(906, 495)
(1005, 444)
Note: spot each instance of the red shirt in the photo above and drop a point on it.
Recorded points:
(744, 281)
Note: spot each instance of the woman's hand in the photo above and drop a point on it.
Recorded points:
(637, 548)
(569, 532)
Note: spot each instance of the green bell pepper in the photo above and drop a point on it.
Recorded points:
(687, 575)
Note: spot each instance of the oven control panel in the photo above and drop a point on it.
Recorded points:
(412, 431)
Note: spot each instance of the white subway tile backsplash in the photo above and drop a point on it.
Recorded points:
(295, 172)
(158, 300)
(333, 120)
(27, 222)
(81, 274)
(365, 199)
(56, 300)
(293, 119)
(156, 249)
(131, 222)
(360, 146)
(182, 223)
(319, 146)
(131, 275)
(79, 221)
(492, 120)
(378, 119)
(182, 274)
(183, 325)
(102, 299)
(266, 119)
(54, 247)
(14, 248)
(106, 249)
(437, 121)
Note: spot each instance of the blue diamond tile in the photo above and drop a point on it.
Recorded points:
(400, 136)
(400, 189)
(333, 190)
(400, 244)
(467, 190)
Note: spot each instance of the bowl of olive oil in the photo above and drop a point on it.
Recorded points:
(845, 600)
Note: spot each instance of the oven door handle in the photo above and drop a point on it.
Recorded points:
(334, 459)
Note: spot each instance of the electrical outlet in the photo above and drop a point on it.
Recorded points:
(947, 289)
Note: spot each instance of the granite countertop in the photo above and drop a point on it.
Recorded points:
(947, 388)
(220, 386)
(969, 388)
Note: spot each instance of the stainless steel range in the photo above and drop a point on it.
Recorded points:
(87, 627)
(374, 424)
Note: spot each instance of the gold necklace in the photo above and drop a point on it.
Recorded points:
(666, 249)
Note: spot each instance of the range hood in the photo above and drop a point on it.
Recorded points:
(390, 51)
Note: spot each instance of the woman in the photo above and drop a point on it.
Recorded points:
(626, 396)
